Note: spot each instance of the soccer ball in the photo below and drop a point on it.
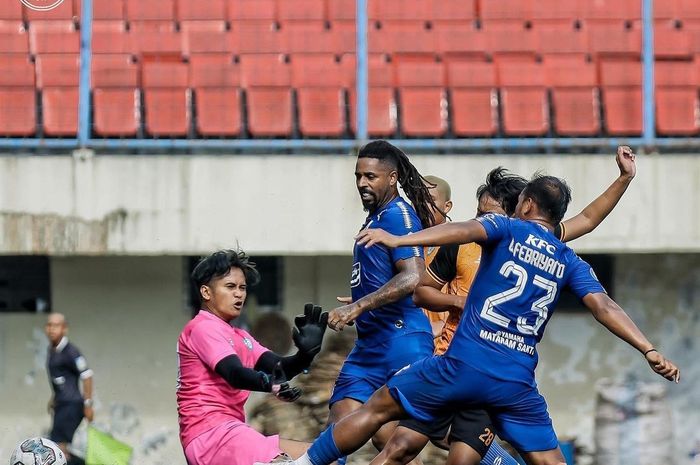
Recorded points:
(38, 451)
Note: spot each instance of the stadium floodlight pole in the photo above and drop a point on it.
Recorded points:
(85, 61)
(649, 109)
(361, 90)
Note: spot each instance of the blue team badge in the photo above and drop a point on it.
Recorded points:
(355, 275)
(247, 343)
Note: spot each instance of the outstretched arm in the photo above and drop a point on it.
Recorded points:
(594, 214)
(612, 316)
(461, 232)
(398, 287)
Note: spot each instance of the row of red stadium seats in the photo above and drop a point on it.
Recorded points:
(236, 10)
(214, 96)
(597, 38)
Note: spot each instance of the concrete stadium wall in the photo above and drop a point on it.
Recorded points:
(126, 314)
(297, 205)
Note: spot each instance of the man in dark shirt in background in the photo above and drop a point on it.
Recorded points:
(66, 365)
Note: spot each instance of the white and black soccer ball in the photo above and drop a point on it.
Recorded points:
(38, 451)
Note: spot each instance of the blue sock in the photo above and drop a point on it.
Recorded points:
(324, 451)
(497, 455)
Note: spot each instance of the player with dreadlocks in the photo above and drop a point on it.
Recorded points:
(392, 331)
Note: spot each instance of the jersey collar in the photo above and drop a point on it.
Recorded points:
(62, 344)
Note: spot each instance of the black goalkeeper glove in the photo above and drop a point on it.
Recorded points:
(281, 388)
(309, 329)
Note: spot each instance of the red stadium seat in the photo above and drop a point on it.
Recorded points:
(14, 42)
(188, 10)
(676, 98)
(560, 37)
(60, 111)
(459, 38)
(622, 96)
(614, 9)
(197, 42)
(668, 9)
(451, 10)
(108, 25)
(614, 38)
(397, 10)
(156, 43)
(11, 11)
(688, 9)
(509, 37)
(53, 37)
(267, 80)
(256, 37)
(244, 10)
(575, 98)
(150, 10)
(401, 37)
(560, 10)
(319, 81)
(473, 89)
(304, 10)
(306, 37)
(341, 10)
(104, 10)
(17, 96)
(422, 97)
(507, 9)
(111, 42)
(381, 117)
(64, 11)
(57, 70)
(216, 83)
(671, 41)
(116, 99)
(197, 25)
(166, 98)
(152, 26)
(523, 97)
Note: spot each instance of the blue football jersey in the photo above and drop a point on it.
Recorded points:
(523, 269)
(373, 267)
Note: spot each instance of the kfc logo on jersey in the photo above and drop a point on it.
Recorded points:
(540, 244)
(355, 275)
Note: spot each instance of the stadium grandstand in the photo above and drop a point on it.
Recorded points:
(575, 73)
(137, 136)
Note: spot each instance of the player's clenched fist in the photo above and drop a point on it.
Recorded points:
(626, 162)
(340, 317)
(662, 366)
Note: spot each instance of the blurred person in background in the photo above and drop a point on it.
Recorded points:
(66, 365)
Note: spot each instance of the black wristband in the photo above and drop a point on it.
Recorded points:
(650, 350)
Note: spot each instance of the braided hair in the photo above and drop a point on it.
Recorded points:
(414, 185)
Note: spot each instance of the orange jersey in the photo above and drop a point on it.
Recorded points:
(455, 267)
(434, 317)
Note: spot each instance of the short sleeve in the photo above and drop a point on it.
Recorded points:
(443, 268)
(80, 363)
(399, 222)
(496, 226)
(211, 342)
(582, 280)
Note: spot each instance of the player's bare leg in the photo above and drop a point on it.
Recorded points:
(462, 454)
(403, 447)
(341, 409)
(547, 457)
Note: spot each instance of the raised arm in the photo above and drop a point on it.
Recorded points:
(594, 214)
(613, 317)
(402, 284)
(461, 232)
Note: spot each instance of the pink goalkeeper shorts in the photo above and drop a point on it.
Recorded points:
(232, 443)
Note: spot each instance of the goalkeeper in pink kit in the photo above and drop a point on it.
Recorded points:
(218, 366)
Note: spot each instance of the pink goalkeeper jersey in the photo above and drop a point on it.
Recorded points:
(205, 399)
